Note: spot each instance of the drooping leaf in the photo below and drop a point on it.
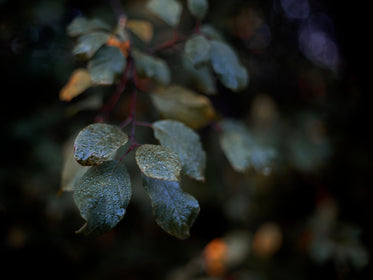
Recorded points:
(236, 141)
(158, 162)
(174, 210)
(141, 28)
(97, 142)
(107, 65)
(198, 8)
(226, 65)
(202, 78)
(197, 50)
(82, 25)
(186, 143)
(168, 10)
(184, 105)
(102, 196)
(151, 67)
(89, 44)
(79, 81)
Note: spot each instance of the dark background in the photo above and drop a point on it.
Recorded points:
(37, 225)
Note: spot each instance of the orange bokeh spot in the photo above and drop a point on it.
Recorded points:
(214, 255)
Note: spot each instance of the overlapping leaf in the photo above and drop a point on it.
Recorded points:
(107, 65)
(82, 25)
(152, 67)
(174, 210)
(142, 28)
(168, 10)
(184, 105)
(97, 142)
(186, 143)
(79, 81)
(198, 8)
(226, 65)
(197, 50)
(88, 44)
(158, 162)
(102, 196)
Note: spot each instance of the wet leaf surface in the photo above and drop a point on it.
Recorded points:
(174, 210)
(96, 143)
(102, 196)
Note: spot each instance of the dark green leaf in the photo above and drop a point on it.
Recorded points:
(262, 159)
(211, 33)
(198, 8)
(102, 195)
(81, 25)
(88, 44)
(152, 67)
(97, 142)
(186, 143)
(184, 105)
(168, 10)
(236, 141)
(197, 50)
(107, 65)
(158, 162)
(174, 210)
(226, 65)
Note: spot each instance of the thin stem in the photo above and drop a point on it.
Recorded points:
(171, 43)
(147, 124)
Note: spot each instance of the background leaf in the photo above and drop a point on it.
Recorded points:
(79, 81)
(226, 65)
(107, 65)
(151, 67)
(184, 105)
(102, 195)
(82, 25)
(197, 50)
(198, 8)
(141, 28)
(174, 210)
(89, 44)
(186, 143)
(158, 162)
(97, 142)
(168, 10)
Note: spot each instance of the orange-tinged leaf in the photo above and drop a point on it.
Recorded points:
(141, 28)
(79, 81)
(122, 46)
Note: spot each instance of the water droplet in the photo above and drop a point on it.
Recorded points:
(121, 212)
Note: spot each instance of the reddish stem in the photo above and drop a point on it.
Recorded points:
(171, 43)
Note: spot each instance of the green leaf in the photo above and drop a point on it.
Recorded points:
(197, 50)
(97, 142)
(89, 44)
(102, 196)
(81, 25)
(226, 65)
(262, 159)
(186, 143)
(158, 162)
(107, 65)
(174, 210)
(211, 33)
(184, 105)
(168, 10)
(151, 67)
(198, 8)
(235, 140)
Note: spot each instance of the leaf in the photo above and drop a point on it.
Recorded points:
(198, 8)
(225, 64)
(211, 33)
(89, 44)
(235, 140)
(158, 162)
(141, 28)
(97, 142)
(186, 143)
(102, 196)
(79, 81)
(184, 105)
(202, 78)
(262, 159)
(174, 210)
(151, 67)
(105, 67)
(197, 50)
(168, 10)
(81, 25)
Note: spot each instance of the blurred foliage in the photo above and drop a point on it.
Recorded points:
(308, 218)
